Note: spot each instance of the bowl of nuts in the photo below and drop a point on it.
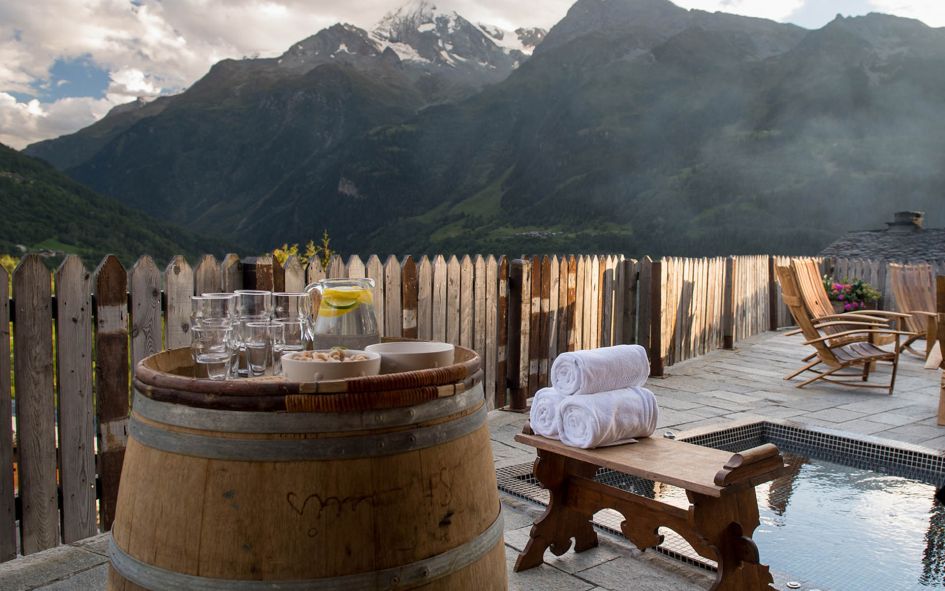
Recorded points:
(330, 364)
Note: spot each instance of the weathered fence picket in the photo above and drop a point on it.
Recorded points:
(145, 280)
(478, 306)
(178, 287)
(409, 294)
(550, 327)
(336, 268)
(76, 430)
(534, 349)
(207, 278)
(314, 272)
(466, 306)
(231, 271)
(440, 306)
(393, 298)
(562, 315)
(502, 324)
(111, 371)
(8, 532)
(425, 299)
(35, 404)
(452, 316)
(293, 275)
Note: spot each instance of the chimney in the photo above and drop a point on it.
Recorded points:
(906, 221)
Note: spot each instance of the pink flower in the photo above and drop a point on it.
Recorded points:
(848, 307)
(840, 297)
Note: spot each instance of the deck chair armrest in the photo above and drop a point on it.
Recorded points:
(869, 324)
(887, 314)
(849, 333)
(923, 313)
(850, 316)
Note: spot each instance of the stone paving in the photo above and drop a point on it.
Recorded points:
(716, 388)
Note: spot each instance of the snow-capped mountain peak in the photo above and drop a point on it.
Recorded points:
(437, 34)
(425, 38)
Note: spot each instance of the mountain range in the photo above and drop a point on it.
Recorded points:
(44, 210)
(633, 126)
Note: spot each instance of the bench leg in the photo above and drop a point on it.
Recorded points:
(560, 523)
(727, 524)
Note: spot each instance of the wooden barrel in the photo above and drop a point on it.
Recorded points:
(373, 483)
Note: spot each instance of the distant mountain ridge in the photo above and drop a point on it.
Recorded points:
(45, 210)
(635, 126)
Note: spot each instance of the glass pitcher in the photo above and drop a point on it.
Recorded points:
(343, 313)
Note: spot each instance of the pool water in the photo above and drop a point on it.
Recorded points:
(834, 527)
(850, 529)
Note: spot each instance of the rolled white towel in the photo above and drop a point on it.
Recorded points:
(600, 370)
(608, 418)
(544, 416)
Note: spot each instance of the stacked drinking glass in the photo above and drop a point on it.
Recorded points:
(255, 312)
(212, 322)
(290, 323)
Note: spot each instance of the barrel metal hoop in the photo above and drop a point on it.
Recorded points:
(289, 450)
(409, 576)
(208, 419)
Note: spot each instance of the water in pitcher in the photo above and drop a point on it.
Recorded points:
(345, 314)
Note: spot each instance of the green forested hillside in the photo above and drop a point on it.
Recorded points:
(44, 209)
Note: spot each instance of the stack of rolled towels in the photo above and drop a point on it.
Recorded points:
(597, 398)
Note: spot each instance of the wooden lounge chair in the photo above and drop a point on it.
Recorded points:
(840, 342)
(914, 288)
(815, 297)
(817, 302)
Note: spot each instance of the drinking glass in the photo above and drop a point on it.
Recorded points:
(257, 343)
(213, 309)
(291, 305)
(253, 303)
(213, 350)
(287, 336)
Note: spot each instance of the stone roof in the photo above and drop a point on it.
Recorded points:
(926, 244)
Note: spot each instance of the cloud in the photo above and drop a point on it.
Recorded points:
(22, 123)
(930, 12)
(777, 10)
(128, 84)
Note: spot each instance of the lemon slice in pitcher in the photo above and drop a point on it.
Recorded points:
(337, 301)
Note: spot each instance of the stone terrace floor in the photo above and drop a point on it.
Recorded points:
(719, 387)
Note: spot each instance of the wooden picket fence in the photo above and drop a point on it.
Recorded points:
(76, 336)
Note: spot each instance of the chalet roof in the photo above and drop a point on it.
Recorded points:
(921, 244)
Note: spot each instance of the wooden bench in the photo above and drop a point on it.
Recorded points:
(719, 522)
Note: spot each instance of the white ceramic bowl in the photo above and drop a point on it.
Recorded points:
(412, 355)
(311, 370)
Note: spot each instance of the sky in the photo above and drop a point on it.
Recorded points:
(65, 63)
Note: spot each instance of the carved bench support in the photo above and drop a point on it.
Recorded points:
(561, 521)
(718, 528)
